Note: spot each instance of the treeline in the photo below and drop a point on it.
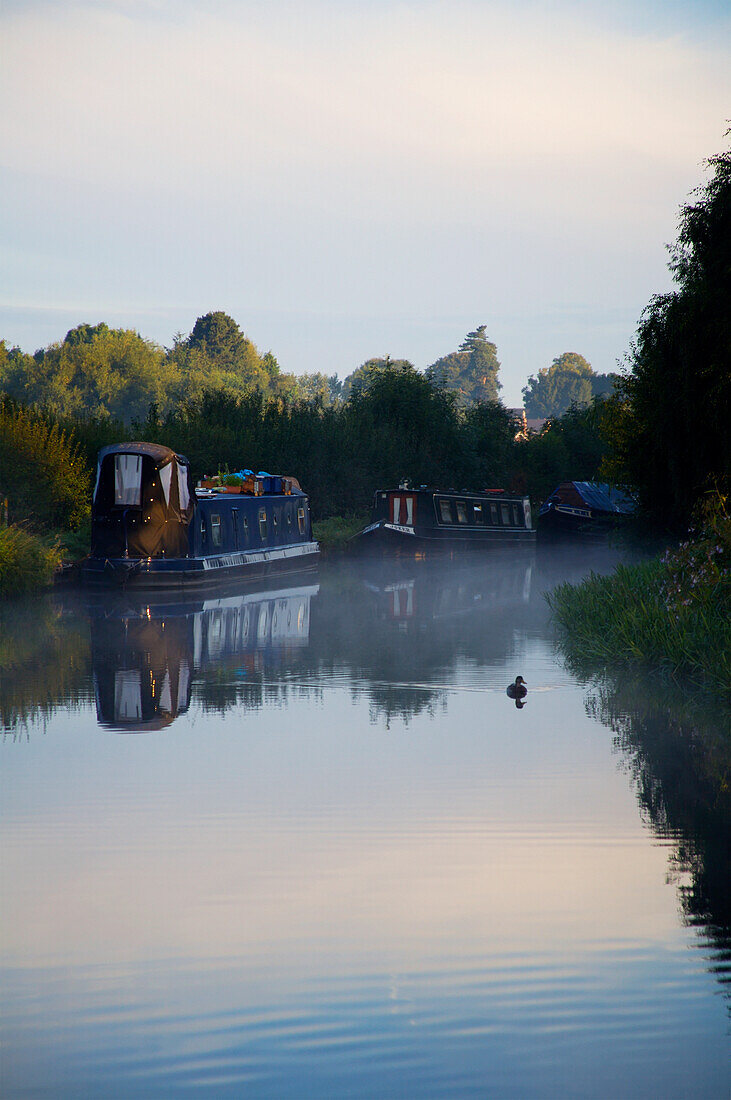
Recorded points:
(395, 426)
(98, 371)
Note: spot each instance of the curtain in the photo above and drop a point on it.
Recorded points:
(127, 479)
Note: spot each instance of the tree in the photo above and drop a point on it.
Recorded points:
(668, 423)
(471, 372)
(567, 382)
(363, 377)
(96, 371)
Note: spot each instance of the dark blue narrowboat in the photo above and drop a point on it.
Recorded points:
(152, 528)
(576, 506)
(448, 518)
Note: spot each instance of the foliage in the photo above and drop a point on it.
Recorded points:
(43, 472)
(569, 381)
(668, 426)
(360, 380)
(96, 371)
(673, 613)
(319, 389)
(26, 561)
(102, 373)
(470, 373)
(335, 532)
(569, 448)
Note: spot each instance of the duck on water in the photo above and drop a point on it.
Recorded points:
(151, 527)
(517, 691)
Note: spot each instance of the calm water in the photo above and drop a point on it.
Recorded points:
(299, 843)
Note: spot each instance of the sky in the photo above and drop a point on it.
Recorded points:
(350, 180)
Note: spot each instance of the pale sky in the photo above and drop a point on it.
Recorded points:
(353, 179)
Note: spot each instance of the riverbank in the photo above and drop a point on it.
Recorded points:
(27, 561)
(671, 615)
(334, 533)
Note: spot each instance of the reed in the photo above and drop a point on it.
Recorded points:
(672, 614)
(27, 562)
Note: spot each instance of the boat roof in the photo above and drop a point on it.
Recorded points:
(156, 451)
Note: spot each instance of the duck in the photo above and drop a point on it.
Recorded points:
(518, 691)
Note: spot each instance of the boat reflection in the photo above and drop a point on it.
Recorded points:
(146, 656)
(427, 594)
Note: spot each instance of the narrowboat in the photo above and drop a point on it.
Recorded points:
(152, 528)
(449, 519)
(576, 506)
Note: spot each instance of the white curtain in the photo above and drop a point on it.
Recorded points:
(98, 475)
(166, 476)
(183, 487)
(127, 694)
(127, 479)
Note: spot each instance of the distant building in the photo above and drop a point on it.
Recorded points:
(519, 415)
(527, 427)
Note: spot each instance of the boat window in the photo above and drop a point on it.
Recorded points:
(128, 479)
(478, 515)
(445, 511)
(235, 522)
(289, 517)
(216, 529)
(494, 515)
(505, 514)
(517, 518)
(246, 530)
(461, 511)
(301, 520)
(203, 529)
(263, 524)
(275, 520)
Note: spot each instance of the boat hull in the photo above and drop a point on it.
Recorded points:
(398, 535)
(202, 572)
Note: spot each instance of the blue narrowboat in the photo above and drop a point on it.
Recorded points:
(152, 528)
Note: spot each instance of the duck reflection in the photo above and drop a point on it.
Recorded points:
(146, 656)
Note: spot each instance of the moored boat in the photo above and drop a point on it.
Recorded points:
(448, 518)
(152, 528)
(583, 506)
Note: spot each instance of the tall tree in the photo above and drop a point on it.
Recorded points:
(567, 382)
(668, 425)
(471, 372)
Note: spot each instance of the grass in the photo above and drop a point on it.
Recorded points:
(333, 533)
(672, 615)
(27, 561)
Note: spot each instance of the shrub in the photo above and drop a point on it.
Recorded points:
(44, 474)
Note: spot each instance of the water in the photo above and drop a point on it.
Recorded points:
(299, 843)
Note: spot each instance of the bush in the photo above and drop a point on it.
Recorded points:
(26, 561)
(45, 476)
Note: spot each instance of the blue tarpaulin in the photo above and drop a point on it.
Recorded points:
(596, 495)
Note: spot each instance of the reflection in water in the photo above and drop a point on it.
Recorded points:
(679, 755)
(283, 897)
(146, 657)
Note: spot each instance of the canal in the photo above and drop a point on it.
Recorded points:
(299, 842)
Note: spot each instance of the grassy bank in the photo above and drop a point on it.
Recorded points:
(27, 561)
(333, 533)
(671, 615)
